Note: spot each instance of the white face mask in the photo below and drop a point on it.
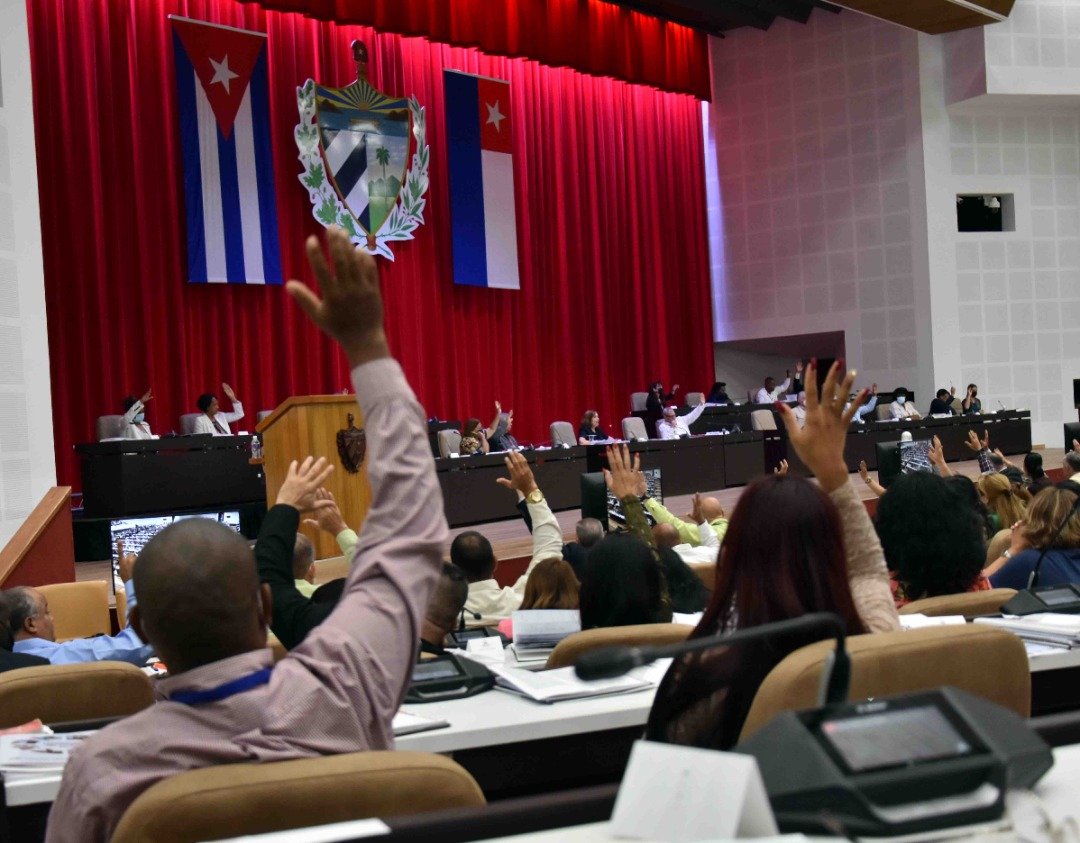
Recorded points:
(140, 418)
(901, 399)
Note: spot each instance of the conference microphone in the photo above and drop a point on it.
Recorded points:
(476, 616)
(609, 662)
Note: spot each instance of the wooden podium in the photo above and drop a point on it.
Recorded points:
(308, 426)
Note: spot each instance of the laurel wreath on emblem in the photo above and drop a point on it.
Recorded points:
(327, 208)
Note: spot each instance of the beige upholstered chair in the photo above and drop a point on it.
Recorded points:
(883, 412)
(637, 401)
(121, 608)
(562, 433)
(449, 442)
(109, 427)
(762, 420)
(694, 398)
(976, 658)
(241, 799)
(60, 692)
(573, 646)
(79, 609)
(262, 414)
(633, 429)
(969, 603)
(187, 423)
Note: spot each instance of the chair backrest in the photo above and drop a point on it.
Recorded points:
(883, 412)
(886, 663)
(694, 398)
(762, 420)
(562, 433)
(231, 800)
(634, 428)
(60, 692)
(637, 401)
(449, 442)
(262, 414)
(571, 648)
(121, 608)
(187, 423)
(969, 603)
(109, 427)
(79, 609)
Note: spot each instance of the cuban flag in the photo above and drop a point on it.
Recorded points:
(483, 214)
(221, 83)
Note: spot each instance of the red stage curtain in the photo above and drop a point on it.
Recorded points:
(593, 36)
(612, 234)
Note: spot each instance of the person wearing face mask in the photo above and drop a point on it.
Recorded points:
(134, 425)
(971, 404)
(900, 408)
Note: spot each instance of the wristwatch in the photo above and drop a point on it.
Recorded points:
(1008, 552)
(535, 496)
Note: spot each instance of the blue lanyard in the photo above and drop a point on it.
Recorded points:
(223, 692)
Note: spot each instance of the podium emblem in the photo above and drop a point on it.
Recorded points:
(352, 446)
(365, 159)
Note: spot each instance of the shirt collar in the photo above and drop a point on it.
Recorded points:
(216, 673)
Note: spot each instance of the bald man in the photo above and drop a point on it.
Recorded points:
(667, 537)
(205, 612)
(711, 513)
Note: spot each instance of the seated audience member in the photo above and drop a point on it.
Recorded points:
(8, 659)
(590, 431)
(900, 408)
(552, 584)
(989, 461)
(793, 547)
(134, 425)
(34, 633)
(1036, 476)
(862, 410)
(1016, 479)
(623, 584)
(708, 509)
(718, 394)
(654, 401)
(674, 426)
(205, 614)
(971, 405)
(667, 537)
(942, 403)
(443, 613)
(1051, 532)
(967, 490)
(213, 420)
(688, 594)
(501, 439)
(304, 565)
(1072, 466)
(472, 552)
(997, 493)
(933, 538)
(588, 531)
(770, 393)
(475, 439)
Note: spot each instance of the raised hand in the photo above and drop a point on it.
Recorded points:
(952, 390)
(819, 441)
(864, 472)
(351, 310)
(146, 396)
(327, 514)
(125, 561)
(974, 443)
(498, 407)
(873, 389)
(301, 483)
(521, 477)
(936, 455)
(228, 392)
(1076, 446)
(696, 515)
(624, 477)
(782, 469)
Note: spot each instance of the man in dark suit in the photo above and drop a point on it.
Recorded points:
(8, 659)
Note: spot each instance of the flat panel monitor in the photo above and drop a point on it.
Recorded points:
(136, 532)
(1072, 433)
(896, 458)
(597, 502)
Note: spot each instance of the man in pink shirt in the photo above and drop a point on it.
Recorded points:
(202, 608)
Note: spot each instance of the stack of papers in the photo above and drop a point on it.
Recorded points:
(542, 629)
(918, 621)
(38, 753)
(408, 723)
(554, 685)
(1045, 628)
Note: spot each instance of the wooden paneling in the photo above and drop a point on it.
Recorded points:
(308, 425)
(43, 549)
(932, 16)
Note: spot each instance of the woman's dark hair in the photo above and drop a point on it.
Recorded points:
(932, 536)
(622, 584)
(783, 556)
(470, 427)
(1033, 466)
(128, 402)
(902, 389)
(204, 402)
(688, 593)
(969, 493)
(586, 420)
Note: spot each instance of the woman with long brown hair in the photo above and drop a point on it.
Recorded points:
(792, 547)
(1050, 532)
(1006, 508)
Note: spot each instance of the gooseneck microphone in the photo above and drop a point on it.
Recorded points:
(609, 662)
(476, 616)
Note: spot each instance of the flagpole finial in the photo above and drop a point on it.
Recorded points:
(360, 56)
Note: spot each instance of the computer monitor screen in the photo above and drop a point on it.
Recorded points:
(655, 491)
(915, 457)
(597, 502)
(136, 532)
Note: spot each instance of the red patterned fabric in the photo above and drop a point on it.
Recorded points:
(611, 232)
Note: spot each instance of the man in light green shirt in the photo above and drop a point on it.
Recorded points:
(706, 510)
